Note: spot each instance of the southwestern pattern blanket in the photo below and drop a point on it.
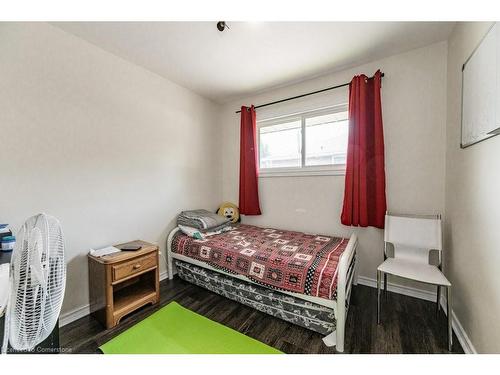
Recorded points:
(293, 261)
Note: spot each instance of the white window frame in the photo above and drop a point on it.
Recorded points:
(303, 170)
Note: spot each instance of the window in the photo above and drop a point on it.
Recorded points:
(309, 143)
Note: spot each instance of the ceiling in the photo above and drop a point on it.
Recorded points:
(253, 56)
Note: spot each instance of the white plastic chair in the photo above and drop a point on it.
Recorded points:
(413, 237)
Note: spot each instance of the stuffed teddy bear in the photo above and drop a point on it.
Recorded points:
(230, 211)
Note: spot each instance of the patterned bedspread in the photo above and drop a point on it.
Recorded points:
(286, 260)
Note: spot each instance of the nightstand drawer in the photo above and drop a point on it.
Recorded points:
(124, 270)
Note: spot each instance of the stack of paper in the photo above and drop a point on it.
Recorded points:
(104, 251)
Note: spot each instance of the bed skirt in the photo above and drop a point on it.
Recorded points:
(294, 310)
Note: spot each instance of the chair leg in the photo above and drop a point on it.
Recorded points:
(438, 297)
(385, 285)
(379, 277)
(450, 329)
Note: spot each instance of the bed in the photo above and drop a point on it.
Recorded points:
(302, 278)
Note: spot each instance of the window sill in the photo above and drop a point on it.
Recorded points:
(302, 173)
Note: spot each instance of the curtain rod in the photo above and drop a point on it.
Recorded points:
(302, 95)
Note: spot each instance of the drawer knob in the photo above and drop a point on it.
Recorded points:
(137, 266)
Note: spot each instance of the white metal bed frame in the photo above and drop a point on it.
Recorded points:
(347, 276)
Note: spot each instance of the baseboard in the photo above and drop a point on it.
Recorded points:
(400, 289)
(459, 330)
(73, 315)
(82, 311)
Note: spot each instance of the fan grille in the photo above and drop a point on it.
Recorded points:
(38, 282)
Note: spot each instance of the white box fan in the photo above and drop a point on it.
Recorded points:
(37, 282)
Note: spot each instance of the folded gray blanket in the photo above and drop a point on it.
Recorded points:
(202, 220)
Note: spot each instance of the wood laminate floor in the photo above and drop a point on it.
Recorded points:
(409, 325)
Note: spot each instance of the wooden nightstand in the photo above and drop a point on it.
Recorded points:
(122, 282)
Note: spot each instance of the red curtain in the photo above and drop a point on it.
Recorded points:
(364, 194)
(249, 191)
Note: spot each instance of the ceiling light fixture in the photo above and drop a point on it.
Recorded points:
(221, 25)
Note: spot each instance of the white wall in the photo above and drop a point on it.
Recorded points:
(414, 113)
(472, 209)
(112, 150)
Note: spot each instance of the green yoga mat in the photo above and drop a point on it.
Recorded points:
(177, 330)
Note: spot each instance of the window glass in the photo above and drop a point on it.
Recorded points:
(280, 145)
(326, 139)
